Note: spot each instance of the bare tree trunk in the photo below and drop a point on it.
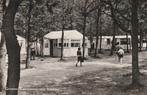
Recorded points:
(96, 48)
(62, 43)
(127, 42)
(97, 30)
(84, 27)
(135, 67)
(91, 43)
(36, 47)
(113, 40)
(28, 55)
(114, 28)
(100, 48)
(28, 36)
(41, 47)
(140, 42)
(71, 22)
(13, 48)
(2, 63)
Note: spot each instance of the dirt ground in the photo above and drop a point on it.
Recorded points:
(104, 76)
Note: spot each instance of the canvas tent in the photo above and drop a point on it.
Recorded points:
(72, 40)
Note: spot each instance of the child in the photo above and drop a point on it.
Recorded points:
(79, 57)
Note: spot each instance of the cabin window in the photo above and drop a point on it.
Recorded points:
(75, 43)
(72, 44)
(123, 41)
(65, 44)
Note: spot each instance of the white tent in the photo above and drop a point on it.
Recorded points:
(72, 40)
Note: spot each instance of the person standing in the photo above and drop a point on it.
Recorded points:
(120, 54)
(79, 57)
(32, 53)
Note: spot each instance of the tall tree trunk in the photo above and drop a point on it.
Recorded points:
(84, 27)
(71, 22)
(91, 43)
(100, 48)
(13, 48)
(36, 47)
(42, 47)
(134, 22)
(114, 29)
(62, 43)
(127, 42)
(113, 40)
(140, 42)
(90, 39)
(2, 63)
(96, 48)
(97, 30)
(28, 36)
(28, 55)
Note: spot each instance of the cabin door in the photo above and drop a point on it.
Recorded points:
(51, 47)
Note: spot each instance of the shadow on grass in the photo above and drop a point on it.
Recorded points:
(108, 81)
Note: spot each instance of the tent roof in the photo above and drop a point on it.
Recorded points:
(68, 34)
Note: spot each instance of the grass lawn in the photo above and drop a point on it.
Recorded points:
(104, 76)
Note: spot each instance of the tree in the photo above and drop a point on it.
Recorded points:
(115, 28)
(98, 11)
(128, 41)
(86, 7)
(100, 30)
(133, 18)
(135, 27)
(28, 34)
(12, 45)
(62, 43)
